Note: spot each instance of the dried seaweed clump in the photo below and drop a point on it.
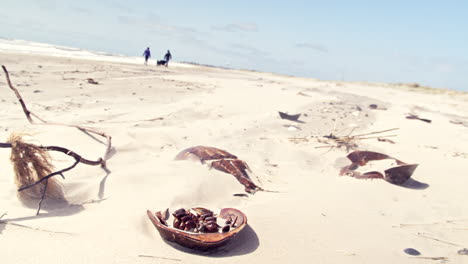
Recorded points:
(31, 164)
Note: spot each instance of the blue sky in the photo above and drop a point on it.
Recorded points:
(423, 42)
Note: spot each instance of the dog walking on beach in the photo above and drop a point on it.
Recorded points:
(161, 63)
(147, 54)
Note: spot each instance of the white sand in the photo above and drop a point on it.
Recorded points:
(318, 216)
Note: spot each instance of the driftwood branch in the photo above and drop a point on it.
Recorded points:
(351, 141)
(28, 114)
(78, 159)
(436, 239)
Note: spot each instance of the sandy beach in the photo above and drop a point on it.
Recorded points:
(152, 113)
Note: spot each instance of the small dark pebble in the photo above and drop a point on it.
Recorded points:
(463, 252)
(226, 228)
(411, 251)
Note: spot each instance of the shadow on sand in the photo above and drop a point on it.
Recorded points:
(414, 184)
(54, 208)
(244, 243)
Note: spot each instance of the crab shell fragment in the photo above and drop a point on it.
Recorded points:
(289, 117)
(223, 161)
(395, 175)
(200, 241)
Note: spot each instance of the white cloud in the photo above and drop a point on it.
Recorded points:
(312, 46)
(248, 49)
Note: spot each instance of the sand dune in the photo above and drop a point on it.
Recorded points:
(153, 113)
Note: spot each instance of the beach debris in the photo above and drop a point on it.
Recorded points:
(412, 116)
(20, 150)
(411, 251)
(157, 257)
(436, 239)
(292, 128)
(223, 161)
(458, 122)
(377, 107)
(385, 140)
(199, 228)
(92, 81)
(433, 258)
(463, 252)
(460, 154)
(289, 117)
(240, 195)
(303, 94)
(396, 175)
(349, 142)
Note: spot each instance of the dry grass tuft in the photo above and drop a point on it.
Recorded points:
(31, 164)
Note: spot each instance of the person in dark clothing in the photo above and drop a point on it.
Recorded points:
(147, 55)
(167, 57)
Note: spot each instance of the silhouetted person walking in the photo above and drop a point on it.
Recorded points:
(147, 55)
(167, 57)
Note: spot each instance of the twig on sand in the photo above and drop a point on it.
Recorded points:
(377, 132)
(451, 221)
(432, 238)
(78, 159)
(350, 142)
(432, 258)
(149, 256)
(29, 227)
(412, 116)
(34, 228)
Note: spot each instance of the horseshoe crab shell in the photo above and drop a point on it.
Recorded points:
(199, 241)
(202, 153)
(395, 175)
(223, 161)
